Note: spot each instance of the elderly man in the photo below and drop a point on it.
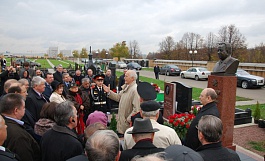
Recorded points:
(90, 75)
(210, 131)
(128, 99)
(58, 75)
(103, 145)
(61, 142)
(24, 82)
(165, 137)
(143, 134)
(19, 141)
(7, 85)
(5, 155)
(48, 88)
(35, 99)
(85, 85)
(78, 77)
(207, 98)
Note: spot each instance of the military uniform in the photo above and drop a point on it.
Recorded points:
(98, 96)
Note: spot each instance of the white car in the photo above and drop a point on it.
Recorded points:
(121, 65)
(196, 72)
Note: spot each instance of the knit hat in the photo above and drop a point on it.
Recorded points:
(97, 116)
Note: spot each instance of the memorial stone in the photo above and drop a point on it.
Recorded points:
(183, 97)
(169, 100)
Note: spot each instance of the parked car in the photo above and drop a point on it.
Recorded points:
(133, 65)
(196, 73)
(20, 61)
(170, 69)
(84, 60)
(246, 80)
(121, 65)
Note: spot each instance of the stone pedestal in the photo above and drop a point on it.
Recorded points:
(225, 87)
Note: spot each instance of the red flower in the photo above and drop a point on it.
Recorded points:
(188, 126)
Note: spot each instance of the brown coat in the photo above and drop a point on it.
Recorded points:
(129, 104)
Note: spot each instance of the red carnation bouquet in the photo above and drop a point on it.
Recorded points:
(180, 123)
(157, 88)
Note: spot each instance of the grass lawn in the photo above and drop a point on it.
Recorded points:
(148, 69)
(195, 91)
(57, 62)
(44, 63)
(252, 107)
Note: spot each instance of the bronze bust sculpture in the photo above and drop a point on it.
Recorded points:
(227, 65)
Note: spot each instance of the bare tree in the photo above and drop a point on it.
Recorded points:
(134, 49)
(167, 46)
(232, 35)
(211, 41)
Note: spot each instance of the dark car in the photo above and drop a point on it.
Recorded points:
(170, 69)
(246, 80)
(20, 61)
(133, 65)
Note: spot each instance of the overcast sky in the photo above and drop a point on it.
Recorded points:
(36, 25)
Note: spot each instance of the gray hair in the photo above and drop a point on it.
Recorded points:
(23, 81)
(103, 145)
(63, 112)
(60, 65)
(150, 113)
(151, 157)
(85, 80)
(211, 128)
(37, 80)
(133, 74)
(65, 74)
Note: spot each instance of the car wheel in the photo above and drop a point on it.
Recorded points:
(182, 76)
(167, 73)
(244, 84)
(197, 78)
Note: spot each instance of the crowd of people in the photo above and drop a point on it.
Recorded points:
(61, 117)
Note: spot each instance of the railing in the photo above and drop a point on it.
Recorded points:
(253, 68)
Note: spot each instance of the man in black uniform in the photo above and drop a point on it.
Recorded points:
(97, 95)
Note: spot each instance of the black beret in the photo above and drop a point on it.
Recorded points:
(148, 106)
(146, 91)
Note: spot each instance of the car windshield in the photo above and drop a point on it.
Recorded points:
(173, 66)
(202, 69)
(242, 72)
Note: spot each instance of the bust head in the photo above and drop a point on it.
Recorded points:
(224, 50)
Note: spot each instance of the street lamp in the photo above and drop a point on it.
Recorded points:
(107, 55)
(192, 57)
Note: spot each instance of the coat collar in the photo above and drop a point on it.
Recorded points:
(126, 87)
(144, 144)
(65, 130)
(210, 146)
(207, 106)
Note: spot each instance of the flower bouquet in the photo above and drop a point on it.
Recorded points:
(180, 123)
(157, 88)
(195, 109)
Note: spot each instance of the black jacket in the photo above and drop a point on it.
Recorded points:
(5, 75)
(142, 148)
(60, 143)
(215, 152)
(156, 69)
(34, 104)
(7, 156)
(58, 76)
(121, 82)
(192, 140)
(110, 81)
(20, 142)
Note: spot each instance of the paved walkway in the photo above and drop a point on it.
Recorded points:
(50, 63)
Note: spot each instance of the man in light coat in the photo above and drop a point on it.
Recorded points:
(128, 99)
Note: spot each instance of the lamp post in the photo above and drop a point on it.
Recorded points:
(107, 55)
(192, 58)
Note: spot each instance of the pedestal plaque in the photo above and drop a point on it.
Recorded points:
(169, 99)
(225, 87)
